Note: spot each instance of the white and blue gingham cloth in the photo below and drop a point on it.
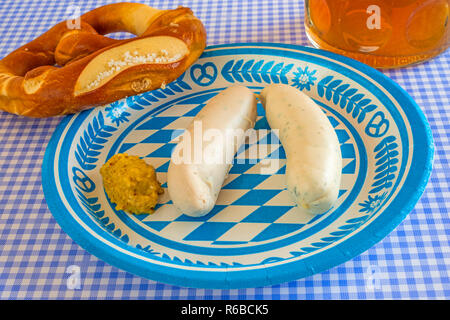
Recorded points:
(37, 259)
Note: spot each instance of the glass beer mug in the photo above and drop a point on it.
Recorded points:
(381, 33)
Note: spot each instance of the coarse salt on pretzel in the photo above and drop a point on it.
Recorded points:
(93, 69)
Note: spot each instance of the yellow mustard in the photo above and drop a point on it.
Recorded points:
(131, 183)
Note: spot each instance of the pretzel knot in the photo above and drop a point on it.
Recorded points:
(67, 70)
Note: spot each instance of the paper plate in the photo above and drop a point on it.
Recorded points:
(254, 236)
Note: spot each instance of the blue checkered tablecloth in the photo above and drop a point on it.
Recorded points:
(37, 258)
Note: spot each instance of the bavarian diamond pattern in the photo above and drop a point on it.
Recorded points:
(251, 207)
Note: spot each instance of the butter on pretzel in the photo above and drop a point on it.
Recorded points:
(93, 69)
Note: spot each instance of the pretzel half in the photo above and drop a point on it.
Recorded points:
(67, 70)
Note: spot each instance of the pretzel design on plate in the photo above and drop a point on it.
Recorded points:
(67, 70)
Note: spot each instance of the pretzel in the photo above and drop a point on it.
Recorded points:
(66, 70)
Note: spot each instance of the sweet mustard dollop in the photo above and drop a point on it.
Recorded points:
(131, 183)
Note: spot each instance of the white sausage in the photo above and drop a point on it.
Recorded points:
(313, 155)
(194, 181)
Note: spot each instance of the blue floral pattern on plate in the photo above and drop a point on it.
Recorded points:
(304, 78)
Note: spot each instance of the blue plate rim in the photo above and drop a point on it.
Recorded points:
(342, 252)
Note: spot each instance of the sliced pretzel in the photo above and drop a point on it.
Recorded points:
(94, 69)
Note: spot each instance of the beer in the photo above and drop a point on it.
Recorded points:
(381, 33)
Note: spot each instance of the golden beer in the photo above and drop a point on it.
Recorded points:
(381, 33)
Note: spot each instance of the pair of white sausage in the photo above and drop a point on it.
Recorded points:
(314, 162)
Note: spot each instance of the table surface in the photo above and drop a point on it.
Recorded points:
(36, 258)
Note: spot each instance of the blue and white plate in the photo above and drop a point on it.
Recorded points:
(254, 236)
